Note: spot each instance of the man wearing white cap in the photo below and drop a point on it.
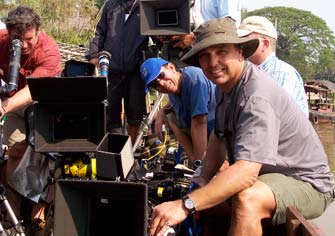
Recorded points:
(265, 57)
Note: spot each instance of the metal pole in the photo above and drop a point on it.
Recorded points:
(18, 227)
(148, 121)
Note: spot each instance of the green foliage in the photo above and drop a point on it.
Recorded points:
(99, 3)
(304, 40)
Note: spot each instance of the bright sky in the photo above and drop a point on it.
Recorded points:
(321, 8)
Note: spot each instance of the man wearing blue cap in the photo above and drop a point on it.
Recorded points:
(190, 112)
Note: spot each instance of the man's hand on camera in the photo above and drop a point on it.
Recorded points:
(2, 110)
(183, 41)
(95, 61)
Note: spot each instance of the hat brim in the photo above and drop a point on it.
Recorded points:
(249, 46)
(243, 32)
(154, 77)
(154, 65)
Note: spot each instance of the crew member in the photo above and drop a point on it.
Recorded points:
(274, 156)
(265, 57)
(191, 107)
(40, 57)
(118, 32)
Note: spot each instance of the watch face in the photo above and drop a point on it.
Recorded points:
(189, 204)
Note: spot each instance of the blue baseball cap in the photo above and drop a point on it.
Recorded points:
(150, 70)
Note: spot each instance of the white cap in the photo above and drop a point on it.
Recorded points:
(257, 24)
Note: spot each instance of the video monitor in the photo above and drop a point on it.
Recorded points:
(167, 17)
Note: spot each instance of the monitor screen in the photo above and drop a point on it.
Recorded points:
(167, 17)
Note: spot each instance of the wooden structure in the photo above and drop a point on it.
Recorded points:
(69, 51)
(320, 102)
(297, 225)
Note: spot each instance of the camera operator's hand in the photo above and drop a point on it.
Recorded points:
(183, 41)
(165, 216)
(2, 110)
(95, 61)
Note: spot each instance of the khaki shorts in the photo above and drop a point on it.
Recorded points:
(292, 192)
(14, 129)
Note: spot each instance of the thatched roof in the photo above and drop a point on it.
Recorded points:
(315, 88)
(326, 84)
(69, 51)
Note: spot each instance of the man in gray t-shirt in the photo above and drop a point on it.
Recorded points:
(275, 158)
(258, 127)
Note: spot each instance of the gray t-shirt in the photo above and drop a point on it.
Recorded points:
(260, 122)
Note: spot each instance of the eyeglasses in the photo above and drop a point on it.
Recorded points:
(155, 83)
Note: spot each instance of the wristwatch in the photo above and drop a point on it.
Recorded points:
(189, 204)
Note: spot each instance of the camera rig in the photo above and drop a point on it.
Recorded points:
(13, 227)
(10, 88)
(86, 161)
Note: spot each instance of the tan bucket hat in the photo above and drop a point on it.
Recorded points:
(215, 32)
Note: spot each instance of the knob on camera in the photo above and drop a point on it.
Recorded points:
(104, 58)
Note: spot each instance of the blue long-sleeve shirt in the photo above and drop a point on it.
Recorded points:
(288, 78)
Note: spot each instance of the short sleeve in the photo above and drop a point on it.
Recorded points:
(257, 132)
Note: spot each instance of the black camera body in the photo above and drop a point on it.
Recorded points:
(10, 87)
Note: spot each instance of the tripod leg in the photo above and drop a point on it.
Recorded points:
(16, 223)
(2, 231)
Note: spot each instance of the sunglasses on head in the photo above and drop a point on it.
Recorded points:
(155, 83)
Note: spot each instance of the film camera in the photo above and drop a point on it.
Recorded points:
(69, 124)
(163, 19)
(72, 123)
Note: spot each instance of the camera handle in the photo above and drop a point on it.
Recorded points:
(17, 225)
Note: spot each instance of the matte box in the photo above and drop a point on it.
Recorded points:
(114, 157)
(92, 208)
(68, 127)
(68, 113)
